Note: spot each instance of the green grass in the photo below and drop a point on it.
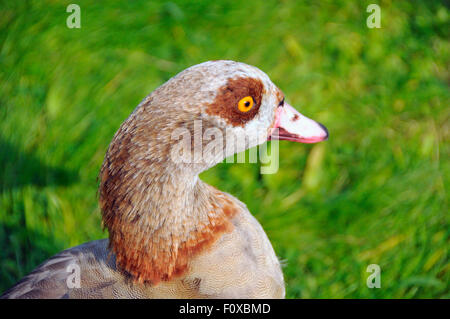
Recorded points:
(376, 192)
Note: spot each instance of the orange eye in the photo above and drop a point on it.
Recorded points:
(245, 104)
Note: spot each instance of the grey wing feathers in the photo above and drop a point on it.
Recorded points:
(46, 281)
(50, 279)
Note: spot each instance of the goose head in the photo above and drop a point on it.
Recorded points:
(221, 108)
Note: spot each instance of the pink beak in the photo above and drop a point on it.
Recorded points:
(290, 125)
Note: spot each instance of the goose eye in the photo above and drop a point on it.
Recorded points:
(245, 104)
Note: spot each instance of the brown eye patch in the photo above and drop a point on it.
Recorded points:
(226, 102)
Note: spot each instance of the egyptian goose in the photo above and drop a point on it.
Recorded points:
(170, 234)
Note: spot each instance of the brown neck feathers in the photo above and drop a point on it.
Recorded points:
(159, 216)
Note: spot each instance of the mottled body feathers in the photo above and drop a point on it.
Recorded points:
(240, 264)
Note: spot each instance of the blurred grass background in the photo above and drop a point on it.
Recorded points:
(374, 193)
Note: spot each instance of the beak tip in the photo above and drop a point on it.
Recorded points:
(325, 130)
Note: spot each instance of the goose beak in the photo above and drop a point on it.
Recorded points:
(290, 125)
